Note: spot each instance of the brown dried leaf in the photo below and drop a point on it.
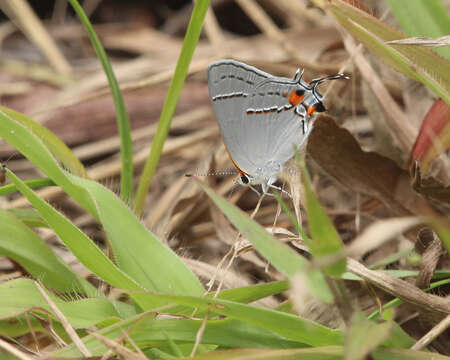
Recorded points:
(339, 154)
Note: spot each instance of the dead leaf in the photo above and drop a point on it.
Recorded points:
(339, 154)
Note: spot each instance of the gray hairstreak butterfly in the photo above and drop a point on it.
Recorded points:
(262, 118)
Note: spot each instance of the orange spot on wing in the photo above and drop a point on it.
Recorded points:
(295, 99)
(311, 110)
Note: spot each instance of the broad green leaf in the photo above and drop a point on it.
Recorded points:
(282, 257)
(81, 246)
(423, 18)
(136, 250)
(22, 245)
(187, 51)
(123, 123)
(325, 238)
(417, 62)
(364, 336)
(60, 150)
(33, 148)
(287, 325)
(21, 295)
(147, 331)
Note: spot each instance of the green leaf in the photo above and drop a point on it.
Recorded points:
(123, 122)
(423, 18)
(417, 62)
(287, 325)
(136, 250)
(364, 336)
(22, 245)
(60, 150)
(29, 217)
(325, 239)
(146, 331)
(32, 147)
(32, 184)
(318, 353)
(282, 257)
(81, 246)
(21, 295)
(190, 42)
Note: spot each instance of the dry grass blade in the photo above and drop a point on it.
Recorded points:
(69, 329)
(432, 334)
(255, 12)
(423, 41)
(14, 351)
(118, 349)
(401, 289)
(22, 12)
(379, 233)
(402, 129)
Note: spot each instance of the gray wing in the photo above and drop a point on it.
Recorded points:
(258, 124)
(278, 127)
(230, 83)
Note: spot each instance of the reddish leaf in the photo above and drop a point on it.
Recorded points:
(434, 135)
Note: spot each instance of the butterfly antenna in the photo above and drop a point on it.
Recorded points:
(217, 173)
(318, 81)
(298, 75)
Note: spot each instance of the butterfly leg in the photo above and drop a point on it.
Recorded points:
(256, 191)
(280, 189)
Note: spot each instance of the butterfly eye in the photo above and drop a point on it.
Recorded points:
(244, 179)
(320, 107)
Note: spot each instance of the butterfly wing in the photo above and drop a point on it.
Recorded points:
(257, 115)
(230, 83)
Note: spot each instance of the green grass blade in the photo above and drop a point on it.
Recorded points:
(364, 336)
(325, 238)
(187, 51)
(19, 243)
(136, 250)
(81, 246)
(423, 18)
(281, 256)
(32, 184)
(34, 149)
(20, 295)
(417, 62)
(289, 326)
(60, 150)
(227, 333)
(29, 217)
(126, 186)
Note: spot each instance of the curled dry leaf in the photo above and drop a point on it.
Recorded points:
(339, 154)
(430, 247)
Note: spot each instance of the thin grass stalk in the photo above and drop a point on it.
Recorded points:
(126, 178)
(190, 42)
